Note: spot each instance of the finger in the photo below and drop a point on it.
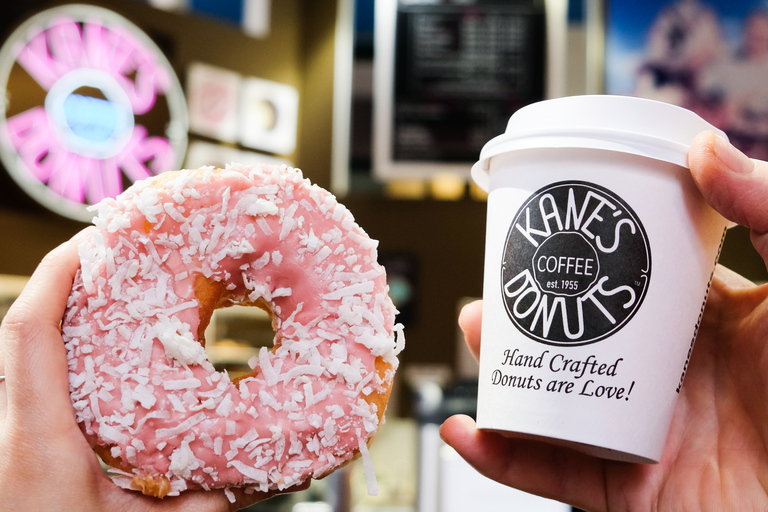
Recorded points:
(3, 388)
(733, 184)
(35, 358)
(728, 278)
(537, 468)
(3, 403)
(200, 501)
(470, 320)
(243, 500)
(116, 498)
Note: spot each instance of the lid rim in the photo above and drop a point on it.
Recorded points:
(648, 146)
(567, 138)
(648, 128)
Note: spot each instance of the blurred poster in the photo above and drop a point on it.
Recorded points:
(214, 101)
(710, 56)
(269, 115)
(226, 106)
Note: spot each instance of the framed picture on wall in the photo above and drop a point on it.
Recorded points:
(710, 56)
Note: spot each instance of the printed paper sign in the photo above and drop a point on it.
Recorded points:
(213, 94)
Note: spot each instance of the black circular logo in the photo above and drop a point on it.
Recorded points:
(576, 264)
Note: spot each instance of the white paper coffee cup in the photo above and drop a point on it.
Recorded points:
(599, 255)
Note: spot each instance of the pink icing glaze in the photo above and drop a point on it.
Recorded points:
(141, 384)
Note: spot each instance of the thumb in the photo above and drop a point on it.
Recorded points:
(470, 322)
(34, 355)
(733, 184)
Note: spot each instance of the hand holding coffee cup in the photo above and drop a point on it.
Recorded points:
(599, 254)
(713, 440)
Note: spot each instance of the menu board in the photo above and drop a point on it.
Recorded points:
(459, 73)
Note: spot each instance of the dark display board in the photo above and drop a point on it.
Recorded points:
(460, 72)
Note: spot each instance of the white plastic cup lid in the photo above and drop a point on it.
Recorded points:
(649, 128)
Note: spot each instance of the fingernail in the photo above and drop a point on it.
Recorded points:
(731, 157)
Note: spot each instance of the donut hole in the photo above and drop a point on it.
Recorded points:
(231, 332)
(234, 335)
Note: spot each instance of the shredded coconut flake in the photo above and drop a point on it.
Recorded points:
(141, 382)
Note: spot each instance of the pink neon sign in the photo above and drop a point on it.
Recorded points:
(80, 147)
(76, 177)
(64, 47)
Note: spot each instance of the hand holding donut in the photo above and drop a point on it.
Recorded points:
(104, 349)
(715, 456)
(45, 462)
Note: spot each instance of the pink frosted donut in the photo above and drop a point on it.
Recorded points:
(166, 253)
